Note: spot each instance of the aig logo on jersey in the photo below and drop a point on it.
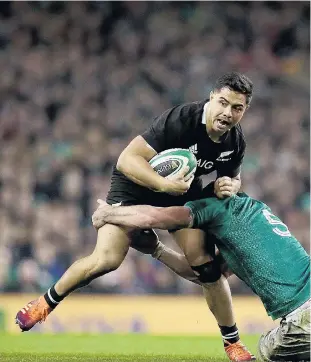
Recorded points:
(223, 157)
(204, 163)
(201, 163)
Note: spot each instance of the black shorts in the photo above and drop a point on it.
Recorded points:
(124, 191)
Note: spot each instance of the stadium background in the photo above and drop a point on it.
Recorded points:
(80, 80)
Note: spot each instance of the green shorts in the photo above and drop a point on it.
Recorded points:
(291, 340)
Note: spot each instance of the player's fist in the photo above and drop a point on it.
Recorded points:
(223, 187)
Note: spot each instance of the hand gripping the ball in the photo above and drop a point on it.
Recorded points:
(176, 184)
(177, 167)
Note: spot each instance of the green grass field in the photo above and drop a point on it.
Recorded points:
(27, 347)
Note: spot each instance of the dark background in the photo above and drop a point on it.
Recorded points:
(80, 80)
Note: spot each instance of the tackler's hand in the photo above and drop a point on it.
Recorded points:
(98, 216)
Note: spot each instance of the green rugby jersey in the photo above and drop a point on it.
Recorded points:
(258, 248)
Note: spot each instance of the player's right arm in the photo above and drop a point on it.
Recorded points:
(143, 216)
(165, 132)
(134, 164)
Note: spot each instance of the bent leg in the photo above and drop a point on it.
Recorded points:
(147, 242)
(110, 250)
(217, 293)
(216, 289)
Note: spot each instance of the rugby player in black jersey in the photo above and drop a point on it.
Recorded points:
(211, 130)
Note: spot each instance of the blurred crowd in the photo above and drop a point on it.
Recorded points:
(79, 80)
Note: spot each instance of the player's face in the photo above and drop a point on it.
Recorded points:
(225, 110)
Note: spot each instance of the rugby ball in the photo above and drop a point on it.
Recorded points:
(169, 162)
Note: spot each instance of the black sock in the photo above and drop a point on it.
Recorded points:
(229, 334)
(52, 298)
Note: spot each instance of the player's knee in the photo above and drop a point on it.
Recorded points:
(111, 248)
(209, 272)
(103, 263)
(109, 260)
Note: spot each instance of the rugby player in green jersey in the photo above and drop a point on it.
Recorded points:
(257, 246)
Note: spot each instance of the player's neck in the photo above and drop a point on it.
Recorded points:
(214, 136)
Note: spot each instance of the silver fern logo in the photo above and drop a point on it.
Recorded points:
(224, 156)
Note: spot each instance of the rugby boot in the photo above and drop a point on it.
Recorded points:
(34, 312)
(237, 352)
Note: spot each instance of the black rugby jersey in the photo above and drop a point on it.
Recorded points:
(184, 126)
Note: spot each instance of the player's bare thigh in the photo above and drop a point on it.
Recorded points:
(110, 250)
(113, 243)
(193, 244)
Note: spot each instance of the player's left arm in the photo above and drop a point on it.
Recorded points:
(226, 186)
(143, 216)
(228, 181)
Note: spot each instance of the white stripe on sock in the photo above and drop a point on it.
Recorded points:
(225, 337)
(232, 334)
(52, 300)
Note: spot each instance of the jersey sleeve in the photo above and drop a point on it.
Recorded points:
(206, 213)
(168, 129)
(233, 168)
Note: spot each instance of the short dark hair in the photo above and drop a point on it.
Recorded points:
(237, 82)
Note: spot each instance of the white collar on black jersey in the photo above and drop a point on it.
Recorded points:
(204, 113)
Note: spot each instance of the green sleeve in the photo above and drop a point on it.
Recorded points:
(204, 212)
